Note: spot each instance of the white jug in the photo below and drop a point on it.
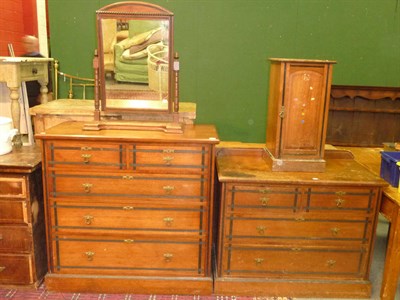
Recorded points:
(7, 133)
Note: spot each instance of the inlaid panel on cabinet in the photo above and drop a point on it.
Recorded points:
(281, 231)
(129, 211)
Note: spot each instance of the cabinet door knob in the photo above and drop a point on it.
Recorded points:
(340, 202)
(331, 263)
(335, 231)
(168, 159)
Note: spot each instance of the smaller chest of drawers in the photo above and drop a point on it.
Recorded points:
(296, 234)
(23, 259)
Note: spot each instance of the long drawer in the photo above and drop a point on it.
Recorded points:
(250, 229)
(304, 262)
(16, 269)
(17, 239)
(141, 218)
(140, 186)
(13, 187)
(124, 255)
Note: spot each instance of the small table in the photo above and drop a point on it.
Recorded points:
(14, 70)
(390, 209)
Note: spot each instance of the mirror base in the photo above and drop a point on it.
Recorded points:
(173, 127)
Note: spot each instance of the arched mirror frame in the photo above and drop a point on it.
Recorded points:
(133, 10)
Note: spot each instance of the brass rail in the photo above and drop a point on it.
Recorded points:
(72, 82)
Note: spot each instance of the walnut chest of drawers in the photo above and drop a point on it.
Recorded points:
(129, 211)
(295, 234)
(22, 229)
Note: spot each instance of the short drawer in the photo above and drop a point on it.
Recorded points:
(13, 187)
(16, 269)
(239, 228)
(293, 261)
(185, 187)
(15, 239)
(85, 155)
(128, 218)
(342, 200)
(170, 158)
(127, 255)
(262, 199)
(14, 212)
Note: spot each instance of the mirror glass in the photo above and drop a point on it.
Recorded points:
(135, 57)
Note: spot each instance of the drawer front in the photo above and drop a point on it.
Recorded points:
(184, 187)
(262, 199)
(85, 156)
(289, 262)
(128, 256)
(344, 201)
(139, 218)
(13, 187)
(170, 158)
(239, 229)
(14, 212)
(16, 269)
(15, 239)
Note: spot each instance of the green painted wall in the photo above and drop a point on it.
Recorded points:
(224, 47)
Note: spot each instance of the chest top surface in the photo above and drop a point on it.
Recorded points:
(206, 134)
(251, 166)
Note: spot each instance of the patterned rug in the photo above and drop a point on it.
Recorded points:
(43, 293)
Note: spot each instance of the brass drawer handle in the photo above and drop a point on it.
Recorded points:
(127, 177)
(258, 261)
(299, 219)
(168, 257)
(296, 249)
(86, 158)
(168, 159)
(86, 148)
(87, 187)
(261, 230)
(168, 221)
(264, 201)
(2, 268)
(340, 193)
(88, 219)
(335, 231)
(128, 208)
(168, 189)
(89, 255)
(129, 241)
(1, 237)
(331, 263)
(340, 202)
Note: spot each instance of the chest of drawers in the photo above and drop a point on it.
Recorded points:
(129, 211)
(295, 234)
(22, 230)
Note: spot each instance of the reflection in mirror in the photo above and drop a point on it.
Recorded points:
(135, 57)
(136, 63)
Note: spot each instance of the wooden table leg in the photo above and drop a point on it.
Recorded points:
(392, 260)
